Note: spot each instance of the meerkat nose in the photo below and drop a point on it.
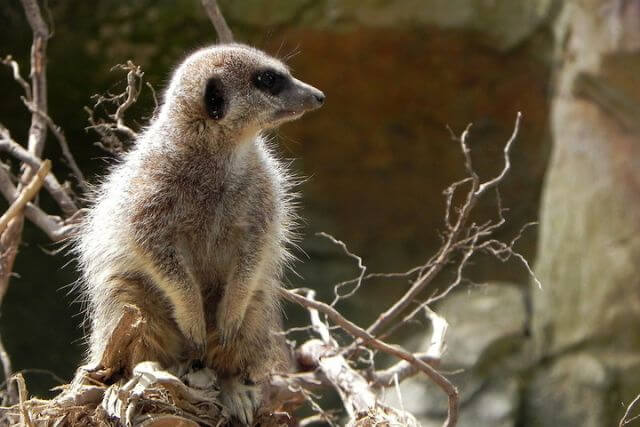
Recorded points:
(319, 97)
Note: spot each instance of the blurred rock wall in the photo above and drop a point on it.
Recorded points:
(589, 250)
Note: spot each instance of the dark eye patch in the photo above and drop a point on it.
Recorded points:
(270, 81)
(214, 99)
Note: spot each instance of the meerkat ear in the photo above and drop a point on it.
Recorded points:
(214, 99)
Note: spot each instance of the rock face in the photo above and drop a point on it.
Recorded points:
(573, 391)
(504, 23)
(487, 329)
(589, 246)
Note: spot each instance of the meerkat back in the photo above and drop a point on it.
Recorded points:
(191, 228)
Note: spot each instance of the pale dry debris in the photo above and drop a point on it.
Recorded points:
(151, 394)
(151, 397)
(384, 416)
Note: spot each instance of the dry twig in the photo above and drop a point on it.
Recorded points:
(394, 350)
(627, 418)
(62, 140)
(113, 128)
(12, 393)
(454, 231)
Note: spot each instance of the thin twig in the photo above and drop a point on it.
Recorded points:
(357, 281)
(507, 161)
(8, 60)
(64, 145)
(371, 342)
(12, 392)
(154, 97)
(132, 91)
(38, 129)
(217, 19)
(626, 419)
(447, 250)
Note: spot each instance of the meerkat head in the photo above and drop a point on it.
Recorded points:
(239, 88)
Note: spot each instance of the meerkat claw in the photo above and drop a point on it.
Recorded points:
(242, 399)
(196, 352)
(228, 332)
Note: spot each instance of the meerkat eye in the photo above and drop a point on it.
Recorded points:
(270, 81)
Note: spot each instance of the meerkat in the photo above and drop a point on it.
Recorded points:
(192, 225)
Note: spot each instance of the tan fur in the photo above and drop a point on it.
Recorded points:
(192, 226)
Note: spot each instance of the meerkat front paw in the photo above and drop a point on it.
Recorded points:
(241, 398)
(194, 329)
(228, 323)
(200, 377)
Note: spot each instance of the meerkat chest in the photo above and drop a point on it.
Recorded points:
(228, 216)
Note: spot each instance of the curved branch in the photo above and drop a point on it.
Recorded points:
(25, 196)
(52, 226)
(374, 343)
(8, 61)
(51, 183)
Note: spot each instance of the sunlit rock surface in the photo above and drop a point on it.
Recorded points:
(485, 354)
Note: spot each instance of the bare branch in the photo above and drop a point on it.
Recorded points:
(53, 226)
(12, 392)
(217, 19)
(28, 193)
(38, 130)
(451, 243)
(401, 370)
(432, 356)
(52, 185)
(64, 145)
(134, 73)
(8, 60)
(113, 129)
(25, 418)
(507, 162)
(353, 388)
(154, 97)
(394, 350)
(357, 281)
(627, 418)
(358, 397)
(12, 235)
